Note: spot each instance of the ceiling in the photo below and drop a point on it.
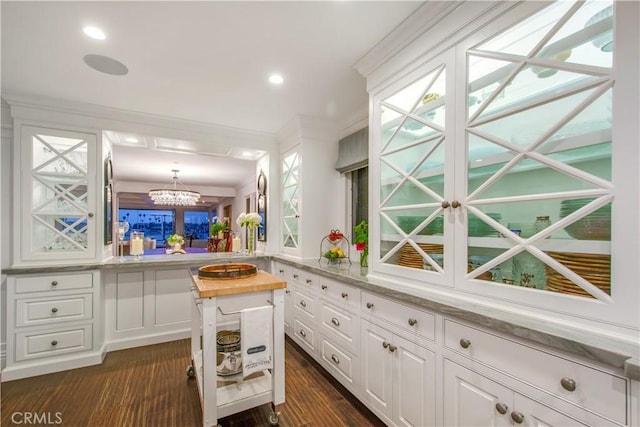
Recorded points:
(204, 61)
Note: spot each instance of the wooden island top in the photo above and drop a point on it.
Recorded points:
(210, 288)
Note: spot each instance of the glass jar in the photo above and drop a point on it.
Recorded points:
(541, 223)
(528, 271)
(137, 244)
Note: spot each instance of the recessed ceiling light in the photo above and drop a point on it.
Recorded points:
(247, 153)
(276, 79)
(94, 33)
(107, 65)
(132, 140)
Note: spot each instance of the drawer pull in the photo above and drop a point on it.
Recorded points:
(335, 321)
(392, 348)
(295, 276)
(385, 344)
(344, 295)
(501, 408)
(303, 303)
(568, 384)
(303, 333)
(281, 271)
(517, 417)
(335, 359)
(412, 321)
(54, 283)
(54, 343)
(308, 281)
(287, 291)
(324, 287)
(369, 305)
(54, 310)
(465, 343)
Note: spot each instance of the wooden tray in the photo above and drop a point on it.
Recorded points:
(227, 271)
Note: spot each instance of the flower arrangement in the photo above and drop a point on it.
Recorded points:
(361, 240)
(251, 220)
(217, 227)
(176, 241)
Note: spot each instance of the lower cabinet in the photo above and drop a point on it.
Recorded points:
(471, 399)
(398, 377)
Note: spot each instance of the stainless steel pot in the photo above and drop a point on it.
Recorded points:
(229, 354)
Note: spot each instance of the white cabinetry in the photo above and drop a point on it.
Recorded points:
(146, 306)
(460, 138)
(398, 374)
(53, 323)
(57, 216)
(523, 384)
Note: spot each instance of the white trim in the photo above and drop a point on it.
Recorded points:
(148, 339)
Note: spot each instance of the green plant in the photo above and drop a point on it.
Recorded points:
(217, 227)
(361, 235)
(175, 238)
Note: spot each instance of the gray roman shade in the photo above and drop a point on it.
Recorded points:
(353, 151)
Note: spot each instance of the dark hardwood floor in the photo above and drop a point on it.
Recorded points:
(148, 386)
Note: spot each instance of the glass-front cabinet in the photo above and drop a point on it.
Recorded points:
(58, 181)
(290, 201)
(494, 163)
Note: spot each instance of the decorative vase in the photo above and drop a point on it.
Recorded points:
(250, 240)
(364, 258)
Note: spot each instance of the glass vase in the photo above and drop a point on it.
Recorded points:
(251, 231)
(364, 258)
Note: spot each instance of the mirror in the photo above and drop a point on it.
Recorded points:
(262, 206)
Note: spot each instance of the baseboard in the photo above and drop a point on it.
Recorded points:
(140, 341)
(3, 355)
(50, 365)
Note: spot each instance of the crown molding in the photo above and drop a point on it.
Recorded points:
(62, 111)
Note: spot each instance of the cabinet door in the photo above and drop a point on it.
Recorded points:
(288, 310)
(290, 202)
(413, 384)
(58, 186)
(530, 413)
(471, 399)
(377, 387)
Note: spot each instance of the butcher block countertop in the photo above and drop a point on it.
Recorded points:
(209, 288)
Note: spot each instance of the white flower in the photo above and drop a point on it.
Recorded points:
(251, 219)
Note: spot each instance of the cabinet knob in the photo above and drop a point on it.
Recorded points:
(303, 303)
(412, 321)
(295, 276)
(369, 305)
(517, 417)
(465, 343)
(281, 271)
(324, 287)
(308, 281)
(54, 283)
(335, 359)
(335, 321)
(385, 344)
(444, 204)
(54, 343)
(90, 214)
(344, 295)
(287, 291)
(54, 310)
(568, 384)
(302, 333)
(501, 408)
(392, 348)
(455, 204)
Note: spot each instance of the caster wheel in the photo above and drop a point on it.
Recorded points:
(191, 372)
(274, 419)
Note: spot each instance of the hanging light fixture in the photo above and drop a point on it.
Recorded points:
(175, 196)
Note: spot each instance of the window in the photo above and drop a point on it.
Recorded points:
(155, 224)
(196, 224)
(360, 195)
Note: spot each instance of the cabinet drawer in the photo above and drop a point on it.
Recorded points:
(599, 391)
(339, 361)
(342, 295)
(405, 317)
(36, 344)
(343, 324)
(304, 302)
(304, 334)
(53, 282)
(53, 309)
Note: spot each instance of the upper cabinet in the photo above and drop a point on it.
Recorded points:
(290, 200)
(56, 212)
(501, 164)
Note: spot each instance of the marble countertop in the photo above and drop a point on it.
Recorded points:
(597, 345)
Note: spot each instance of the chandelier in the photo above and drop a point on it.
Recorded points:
(175, 196)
